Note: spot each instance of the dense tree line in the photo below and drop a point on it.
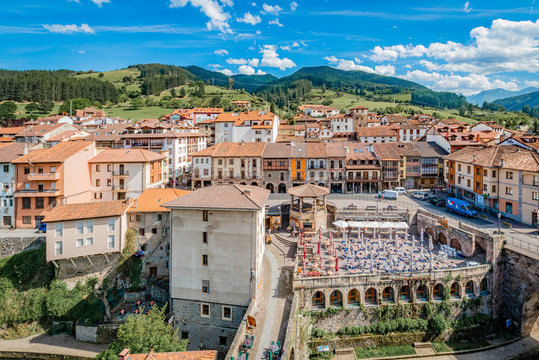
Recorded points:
(290, 95)
(158, 77)
(531, 111)
(492, 106)
(36, 86)
(440, 100)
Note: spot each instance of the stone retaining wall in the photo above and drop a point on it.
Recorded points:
(14, 245)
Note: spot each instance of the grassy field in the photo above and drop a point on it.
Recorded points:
(113, 76)
(365, 353)
(456, 345)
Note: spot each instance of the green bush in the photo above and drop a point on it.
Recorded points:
(438, 323)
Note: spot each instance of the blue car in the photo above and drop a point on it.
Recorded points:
(460, 207)
(42, 228)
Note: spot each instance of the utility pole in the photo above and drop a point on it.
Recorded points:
(70, 107)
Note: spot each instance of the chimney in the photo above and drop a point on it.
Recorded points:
(247, 192)
(25, 151)
(502, 162)
(474, 158)
(124, 354)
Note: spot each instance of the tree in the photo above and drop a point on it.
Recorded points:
(182, 92)
(141, 334)
(215, 101)
(173, 92)
(100, 290)
(438, 323)
(273, 108)
(76, 104)
(7, 110)
(462, 110)
(136, 103)
(230, 83)
(101, 75)
(46, 106)
(32, 107)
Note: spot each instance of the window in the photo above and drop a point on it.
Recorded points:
(335, 298)
(59, 229)
(458, 167)
(26, 203)
(469, 182)
(493, 173)
(154, 231)
(469, 169)
(53, 185)
(483, 287)
(40, 203)
(6, 168)
(298, 164)
(205, 310)
(422, 293)
(387, 295)
(26, 220)
(318, 300)
(26, 170)
(455, 290)
(205, 260)
(404, 293)
(141, 232)
(509, 175)
(205, 215)
(138, 217)
(185, 335)
(110, 242)
(109, 167)
(485, 172)
(534, 195)
(58, 248)
(89, 241)
(370, 296)
(163, 231)
(111, 224)
(26, 186)
(509, 207)
(353, 297)
(231, 161)
(97, 182)
(159, 217)
(509, 190)
(206, 286)
(109, 182)
(40, 170)
(227, 313)
(469, 289)
(204, 237)
(79, 242)
(80, 227)
(438, 292)
(98, 168)
(222, 340)
(493, 188)
(89, 226)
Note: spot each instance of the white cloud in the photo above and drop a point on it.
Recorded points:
(227, 72)
(254, 62)
(100, 2)
(386, 70)
(275, 22)
(246, 70)
(215, 65)
(270, 58)
(532, 83)
(503, 47)
(212, 9)
(467, 7)
(253, 4)
(236, 61)
(293, 6)
(271, 9)
(248, 18)
(220, 52)
(466, 85)
(82, 52)
(260, 72)
(228, 3)
(347, 65)
(69, 29)
(285, 47)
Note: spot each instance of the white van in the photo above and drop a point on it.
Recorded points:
(388, 194)
(399, 190)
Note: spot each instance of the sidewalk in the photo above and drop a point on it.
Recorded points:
(61, 344)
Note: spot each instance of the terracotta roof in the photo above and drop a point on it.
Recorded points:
(429, 149)
(316, 150)
(126, 156)
(6, 138)
(10, 152)
(375, 131)
(387, 151)
(299, 150)
(407, 149)
(249, 115)
(514, 157)
(182, 355)
(166, 134)
(277, 151)
(39, 130)
(248, 149)
(308, 190)
(229, 196)
(68, 134)
(11, 130)
(205, 152)
(358, 151)
(335, 150)
(151, 200)
(359, 108)
(90, 210)
(57, 153)
(108, 132)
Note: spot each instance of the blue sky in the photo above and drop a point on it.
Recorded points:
(460, 46)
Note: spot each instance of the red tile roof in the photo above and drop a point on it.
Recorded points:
(57, 153)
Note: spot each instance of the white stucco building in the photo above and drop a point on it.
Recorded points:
(7, 182)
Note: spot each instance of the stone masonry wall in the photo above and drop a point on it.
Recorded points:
(14, 245)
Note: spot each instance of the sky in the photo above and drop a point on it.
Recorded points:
(459, 46)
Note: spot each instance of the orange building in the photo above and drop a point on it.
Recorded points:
(298, 160)
(46, 177)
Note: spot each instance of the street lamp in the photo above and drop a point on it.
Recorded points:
(499, 223)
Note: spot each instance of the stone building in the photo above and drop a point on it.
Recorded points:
(217, 243)
(151, 221)
(276, 167)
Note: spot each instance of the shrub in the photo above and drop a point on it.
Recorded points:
(438, 323)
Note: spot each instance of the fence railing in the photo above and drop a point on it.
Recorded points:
(525, 245)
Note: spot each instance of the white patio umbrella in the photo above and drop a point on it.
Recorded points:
(341, 224)
(422, 234)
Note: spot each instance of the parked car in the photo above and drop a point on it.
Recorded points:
(399, 190)
(42, 228)
(460, 207)
(388, 194)
(421, 195)
(438, 201)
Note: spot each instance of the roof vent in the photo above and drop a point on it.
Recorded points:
(247, 192)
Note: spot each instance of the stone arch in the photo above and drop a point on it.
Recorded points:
(422, 293)
(484, 288)
(442, 239)
(530, 315)
(318, 300)
(254, 184)
(438, 292)
(270, 187)
(405, 293)
(335, 298)
(388, 295)
(429, 231)
(281, 189)
(455, 243)
(371, 297)
(353, 297)
(242, 183)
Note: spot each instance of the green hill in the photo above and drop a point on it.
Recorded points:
(517, 103)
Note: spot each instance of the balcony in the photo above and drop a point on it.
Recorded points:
(119, 187)
(37, 193)
(121, 173)
(43, 176)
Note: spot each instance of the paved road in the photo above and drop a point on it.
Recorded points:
(61, 344)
